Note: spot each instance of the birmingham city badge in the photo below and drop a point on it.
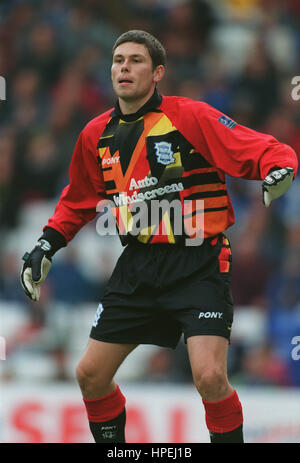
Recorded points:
(164, 153)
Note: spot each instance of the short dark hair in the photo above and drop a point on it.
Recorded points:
(155, 48)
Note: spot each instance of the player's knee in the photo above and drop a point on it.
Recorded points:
(87, 376)
(83, 374)
(211, 382)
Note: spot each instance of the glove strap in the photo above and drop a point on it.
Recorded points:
(54, 238)
(26, 256)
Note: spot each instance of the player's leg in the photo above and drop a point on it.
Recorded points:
(104, 402)
(223, 410)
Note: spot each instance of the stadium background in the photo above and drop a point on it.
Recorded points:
(237, 55)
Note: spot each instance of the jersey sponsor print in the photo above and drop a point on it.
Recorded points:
(155, 162)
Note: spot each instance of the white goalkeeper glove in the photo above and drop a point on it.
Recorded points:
(276, 184)
(35, 269)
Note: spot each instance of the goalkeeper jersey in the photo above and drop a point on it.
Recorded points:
(173, 152)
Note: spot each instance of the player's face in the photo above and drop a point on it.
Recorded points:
(133, 77)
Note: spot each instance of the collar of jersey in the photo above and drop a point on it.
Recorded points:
(150, 106)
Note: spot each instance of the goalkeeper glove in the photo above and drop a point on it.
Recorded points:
(276, 183)
(35, 269)
(38, 262)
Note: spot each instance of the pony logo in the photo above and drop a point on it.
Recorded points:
(109, 432)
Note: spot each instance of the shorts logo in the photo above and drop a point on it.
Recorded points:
(164, 153)
(98, 314)
(210, 315)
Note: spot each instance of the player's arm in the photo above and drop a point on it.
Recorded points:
(242, 152)
(76, 207)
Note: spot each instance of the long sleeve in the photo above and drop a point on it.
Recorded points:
(237, 150)
(78, 201)
(233, 149)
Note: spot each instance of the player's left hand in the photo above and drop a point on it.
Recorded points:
(35, 269)
(276, 184)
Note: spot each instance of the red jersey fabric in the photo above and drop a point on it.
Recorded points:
(190, 140)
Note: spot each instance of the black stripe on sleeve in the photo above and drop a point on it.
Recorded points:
(206, 194)
(203, 178)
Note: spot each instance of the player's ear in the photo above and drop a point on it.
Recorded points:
(159, 73)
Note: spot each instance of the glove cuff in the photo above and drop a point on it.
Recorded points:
(56, 239)
(273, 169)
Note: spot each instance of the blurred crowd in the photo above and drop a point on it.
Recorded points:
(239, 56)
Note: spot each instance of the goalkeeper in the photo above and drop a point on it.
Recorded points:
(151, 145)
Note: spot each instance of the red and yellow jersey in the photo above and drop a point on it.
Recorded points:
(173, 149)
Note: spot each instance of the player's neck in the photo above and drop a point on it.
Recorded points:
(131, 107)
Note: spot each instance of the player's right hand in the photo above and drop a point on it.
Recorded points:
(36, 266)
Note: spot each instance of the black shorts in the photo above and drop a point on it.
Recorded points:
(157, 292)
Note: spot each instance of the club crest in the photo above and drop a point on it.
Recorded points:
(164, 153)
